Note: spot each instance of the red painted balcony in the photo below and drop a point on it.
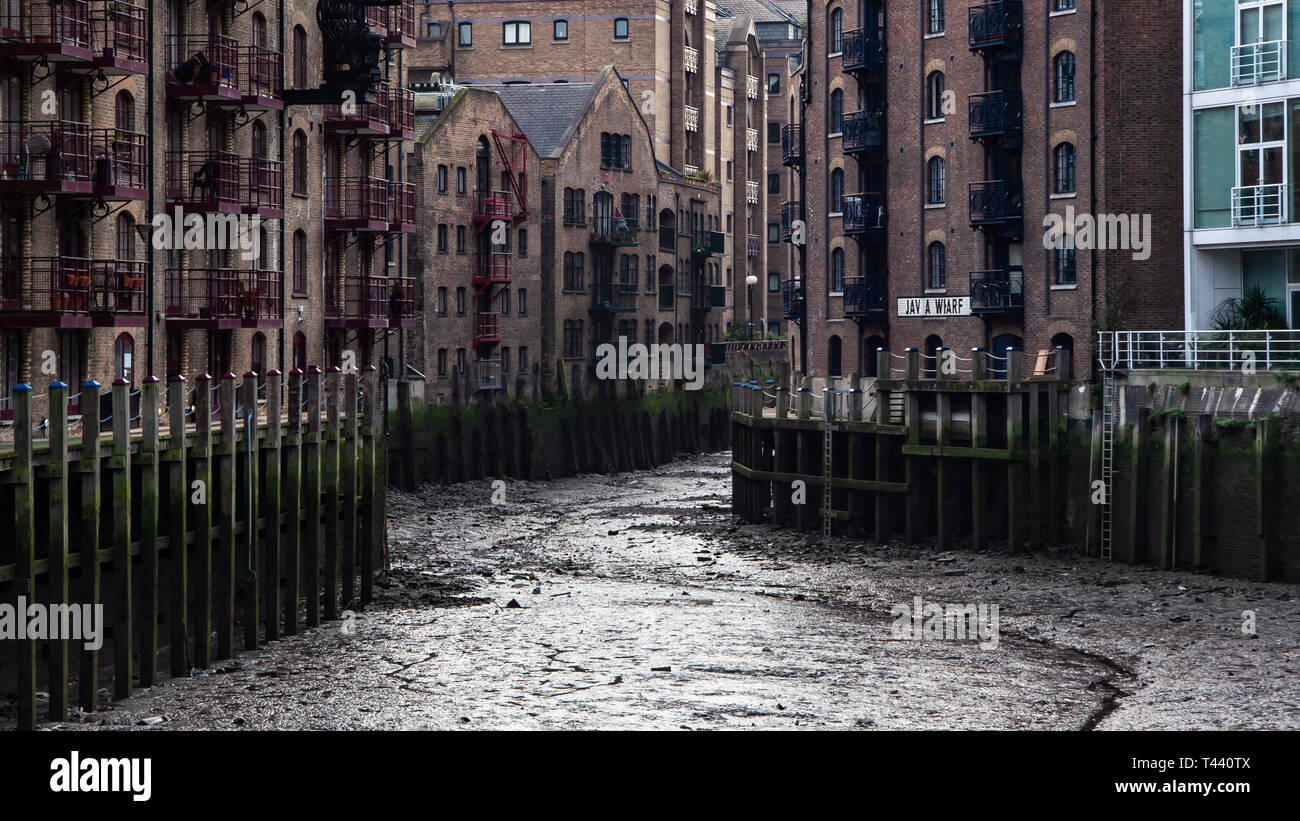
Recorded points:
(46, 292)
(263, 78)
(491, 269)
(263, 187)
(46, 157)
(204, 67)
(401, 207)
(119, 38)
(360, 119)
(401, 114)
(221, 298)
(120, 163)
(493, 205)
(401, 301)
(357, 302)
(401, 25)
(205, 181)
(55, 32)
(377, 19)
(486, 330)
(117, 293)
(356, 203)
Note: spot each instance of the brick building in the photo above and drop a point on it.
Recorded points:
(110, 123)
(938, 138)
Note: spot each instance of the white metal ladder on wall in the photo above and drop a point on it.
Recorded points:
(1108, 357)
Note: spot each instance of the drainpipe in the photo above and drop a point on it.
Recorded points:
(151, 293)
(453, 39)
(1092, 162)
(284, 303)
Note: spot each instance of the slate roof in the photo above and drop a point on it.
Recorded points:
(547, 112)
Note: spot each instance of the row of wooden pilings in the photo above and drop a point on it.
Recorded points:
(280, 514)
(970, 456)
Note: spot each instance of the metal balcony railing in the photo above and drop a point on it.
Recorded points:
(996, 202)
(863, 212)
(358, 202)
(119, 35)
(361, 300)
(205, 180)
(49, 284)
(214, 294)
(997, 25)
(792, 145)
(751, 86)
(263, 186)
(691, 170)
(263, 78)
(1199, 350)
(401, 299)
(862, 130)
(401, 25)
(204, 66)
(751, 192)
(792, 299)
(493, 205)
(377, 20)
(612, 231)
(118, 287)
(401, 206)
(492, 268)
(45, 154)
(401, 112)
(709, 243)
(120, 161)
(864, 49)
(691, 59)
(39, 29)
(612, 297)
(1254, 205)
(691, 117)
(370, 119)
(997, 291)
(708, 297)
(691, 6)
(865, 295)
(1263, 62)
(791, 212)
(995, 114)
(752, 245)
(751, 139)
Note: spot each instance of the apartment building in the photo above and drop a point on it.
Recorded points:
(1241, 93)
(958, 161)
(123, 123)
(693, 71)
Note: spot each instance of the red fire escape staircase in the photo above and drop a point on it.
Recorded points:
(492, 268)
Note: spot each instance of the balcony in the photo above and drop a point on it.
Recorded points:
(863, 213)
(692, 6)
(73, 292)
(401, 25)
(996, 203)
(401, 207)
(751, 139)
(612, 297)
(610, 232)
(263, 78)
(362, 119)
(357, 302)
(401, 114)
(865, 296)
(863, 131)
(708, 244)
(46, 32)
(997, 26)
(691, 117)
(70, 158)
(493, 205)
(263, 187)
(205, 181)
(491, 269)
(488, 375)
(691, 59)
(792, 299)
(667, 238)
(1255, 63)
(751, 192)
(707, 298)
(1254, 205)
(997, 291)
(206, 69)
(792, 145)
(996, 114)
(223, 298)
(377, 20)
(751, 87)
(356, 204)
(791, 212)
(691, 170)
(864, 50)
(401, 302)
(752, 245)
(667, 297)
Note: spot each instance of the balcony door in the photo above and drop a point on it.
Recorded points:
(602, 211)
(1261, 165)
(1260, 55)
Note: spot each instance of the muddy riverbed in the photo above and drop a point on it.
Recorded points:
(638, 601)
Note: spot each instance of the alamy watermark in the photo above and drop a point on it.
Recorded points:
(1103, 232)
(179, 231)
(660, 360)
(922, 621)
(34, 621)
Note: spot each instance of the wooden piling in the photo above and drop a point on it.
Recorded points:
(271, 469)
(1137, 488)
(56, 475)
(348, 454)
(979, 432)
(178, 500)
(24, 548)
(331, 474)
(224, 463)
(311, 487)
(942, 469)
(1202, 462)
(1168, 483)
(150, 483)
(370, 388)
(119, 464)
(200, 516)
(292, 444)
(250, 545)
(1265, 481)
(88, 524)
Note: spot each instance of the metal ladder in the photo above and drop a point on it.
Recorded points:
(1109, 360)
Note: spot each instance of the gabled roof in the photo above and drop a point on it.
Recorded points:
(548, 112)
(763, 11)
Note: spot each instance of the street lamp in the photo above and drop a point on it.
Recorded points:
(751, 281)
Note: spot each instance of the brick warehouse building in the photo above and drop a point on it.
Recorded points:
(694, 71)
(114, 113)
(937, 136)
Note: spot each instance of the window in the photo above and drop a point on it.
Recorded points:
(1066, 274)
(773, 182)
(568, 207)
(729, 109)
(774, 83)
(1063, 72)
(731, 170)
(299, 163)
(773, 233)
(442, 179)
(465, 35)
(934, 17)
(523, 357)
(560, 30)
(442, 238)
(523, 242)
(936, 267)
(505, 302)
(837, 191)
(1064, 162)
(516, 33)
(1063, 5)
(573, 270)
(460, 239)
(774, 133)
(836, 124)
(934, 96)
(442, 362)
(441, 306)
(773, 282)
(460, 301)
(505, 361)
(836, 34)
(620, 28)
(521, 302)
(123, 355)
(460, 180)
(299, 57)
(837, 270)
(935, 173)
(573, 338)
(124, 111)
(300, 262)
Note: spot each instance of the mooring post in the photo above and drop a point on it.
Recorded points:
(1033, 427)
(883, 365)
(271, 479)
(1265, 466)
(178, 500)
(782, 402)
(292, 445)
(1016, 451)
(1202, 465)
(24, 548)
(311, 489)
(224, 571)
(252, 513)
(369, 480)
(914, 501)
(943, 483)
(979, 437)
(913, 364)
(854, 471)
(120, 465)
(334, 386)
(56, 475)
(348, 462)
(1168, 483)
(150, 481)
(805, 403)
(88, 523)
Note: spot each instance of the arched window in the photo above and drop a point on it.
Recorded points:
(257, 359)
(300, 262)
(1063, 77)
(126, 238)
(836, 204)
(259, 140)
(930, 359)
(124, 111)
(936, 263)
(1064, 163)
(300, 351)
(123, 358)
(299, 162)
(934, 84)
(833, 363)
(1066, 273)
(935, 176)
(299, 57)
(837, 270)
(1065, 359)
(835, 36)
(259, 30)
(836, 124)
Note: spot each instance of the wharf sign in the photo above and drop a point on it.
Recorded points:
(934, 306)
